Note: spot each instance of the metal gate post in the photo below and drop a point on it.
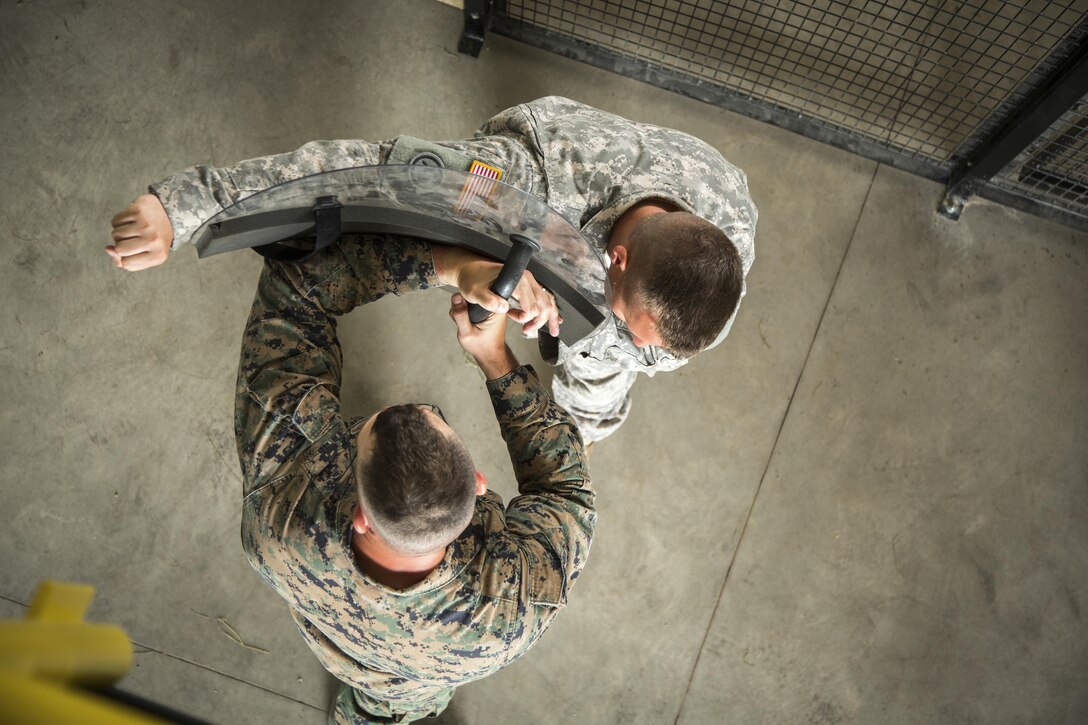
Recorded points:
(477, 20)
(1038, 112)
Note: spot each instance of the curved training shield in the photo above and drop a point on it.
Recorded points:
(437, 204)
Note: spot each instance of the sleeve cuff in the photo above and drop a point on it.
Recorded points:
(516, 394)
(189, 200)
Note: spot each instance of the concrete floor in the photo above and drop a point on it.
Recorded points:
(869, 506)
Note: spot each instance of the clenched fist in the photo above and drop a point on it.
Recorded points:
(142, 235)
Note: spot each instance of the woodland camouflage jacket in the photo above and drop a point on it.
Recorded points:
(502, 581)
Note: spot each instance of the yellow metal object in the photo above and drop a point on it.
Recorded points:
(54, 643)
(54, 647)
(60, 602)
(28, 701)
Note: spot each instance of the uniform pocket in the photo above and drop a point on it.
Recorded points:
(545, 575)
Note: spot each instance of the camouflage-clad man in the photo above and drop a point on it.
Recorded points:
(404, 574)
(673, 219)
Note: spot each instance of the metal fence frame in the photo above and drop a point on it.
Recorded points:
(1041, 104)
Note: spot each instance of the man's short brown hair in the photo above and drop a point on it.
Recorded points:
(686, 273)
(418, 485)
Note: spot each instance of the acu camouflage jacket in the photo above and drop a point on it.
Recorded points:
(587, 164)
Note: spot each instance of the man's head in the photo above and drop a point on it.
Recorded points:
(676, 281)
(417, 483)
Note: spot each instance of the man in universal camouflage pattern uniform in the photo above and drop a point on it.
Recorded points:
(605, 174)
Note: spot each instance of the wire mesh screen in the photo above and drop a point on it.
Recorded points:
(1054, 168)
(923, 79)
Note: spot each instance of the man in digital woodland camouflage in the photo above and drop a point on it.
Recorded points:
(673, 219)
(405, 575)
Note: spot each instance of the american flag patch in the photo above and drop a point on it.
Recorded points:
(478, 167)
(481, 184)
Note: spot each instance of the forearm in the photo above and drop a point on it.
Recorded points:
(545, 448)
(497, 364)
(555, 510)
(363, 268)
(193, 196)
(474, 275)
(289, 375)
(448, 262)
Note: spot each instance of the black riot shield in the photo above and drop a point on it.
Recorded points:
(291, 220)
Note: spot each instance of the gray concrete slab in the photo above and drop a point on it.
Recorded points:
(917, 550)
(215, 697)
(11, 609)
(117, 464)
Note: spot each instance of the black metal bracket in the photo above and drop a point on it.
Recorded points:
(327, 221)
(477, 15)
(1036, 114)
(327, 229)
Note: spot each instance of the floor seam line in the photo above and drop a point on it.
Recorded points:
(774, 446)
(149, 648)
